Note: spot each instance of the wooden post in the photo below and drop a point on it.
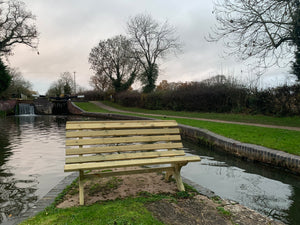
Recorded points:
(81, 188)
(168, 175)
(177, 177)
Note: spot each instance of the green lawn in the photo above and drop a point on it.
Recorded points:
(280, 139)
(284, 140)
(89, 107)
(270, 120)
(128, 211)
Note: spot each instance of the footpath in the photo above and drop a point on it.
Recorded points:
(109, 108)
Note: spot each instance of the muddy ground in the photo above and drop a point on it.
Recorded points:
(198, 209)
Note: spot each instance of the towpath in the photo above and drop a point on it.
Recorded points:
(112, 109)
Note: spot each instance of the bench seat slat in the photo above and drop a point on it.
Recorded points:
(120, 124)
(127, 163)
(104, 133)
(124, 156)
(117, 140)
(123, 148)
(110, 121)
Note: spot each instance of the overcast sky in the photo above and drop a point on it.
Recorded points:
(69, 29)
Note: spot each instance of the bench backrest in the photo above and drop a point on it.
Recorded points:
(99, 141)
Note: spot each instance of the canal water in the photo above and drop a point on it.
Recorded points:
(32, 160)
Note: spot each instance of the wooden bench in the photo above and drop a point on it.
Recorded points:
(103, 145)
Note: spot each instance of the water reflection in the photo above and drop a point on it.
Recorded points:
(31, 160)
(268, 190)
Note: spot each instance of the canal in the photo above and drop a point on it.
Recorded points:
(32, 160)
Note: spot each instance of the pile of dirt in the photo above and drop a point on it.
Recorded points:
(196, 210)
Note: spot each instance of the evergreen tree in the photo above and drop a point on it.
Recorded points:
(5, 78)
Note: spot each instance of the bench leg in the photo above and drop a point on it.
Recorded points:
(168, 175)
(177, 177)
(81, 189)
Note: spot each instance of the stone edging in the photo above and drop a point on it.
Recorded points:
(249, 151)
(45, 201)
(243, 150)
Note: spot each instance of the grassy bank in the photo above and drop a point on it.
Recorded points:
(89, 107)
(127, 211)
(261, 119)
(121, 211)
(280, 139)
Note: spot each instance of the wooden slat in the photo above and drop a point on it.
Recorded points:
(124, 156)
(115, 121)
(126, 163)
(111, 121)
(118, 140)
(123, 148)
(128, 172)
(104, 133)
(121, 124)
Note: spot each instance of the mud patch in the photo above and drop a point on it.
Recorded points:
(198, 209)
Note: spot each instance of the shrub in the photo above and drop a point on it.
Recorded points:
(129, 98)
(218, 97)
(153, 100)
(92, 95)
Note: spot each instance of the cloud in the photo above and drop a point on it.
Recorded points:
(70, 29)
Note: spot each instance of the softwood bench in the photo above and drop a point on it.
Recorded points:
(103, 145)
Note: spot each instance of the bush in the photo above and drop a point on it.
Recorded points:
(129, 98)
(207, 98)
(280, 101)
(153, 100)
(218, 97)
(92, 95)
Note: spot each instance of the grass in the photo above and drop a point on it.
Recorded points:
(126, 211)
(270, 120)
(224, 212)
(280, 139)
(89, 107)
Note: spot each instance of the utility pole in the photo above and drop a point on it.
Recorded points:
(74, 83)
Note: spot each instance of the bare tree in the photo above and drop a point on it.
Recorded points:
(265, 30)
(63, 86)
(18, 85)
(67, 82)
(100, 82)
(114, 59)
(218, 79)
(16, 26)
(152, 40)
(55, 90)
